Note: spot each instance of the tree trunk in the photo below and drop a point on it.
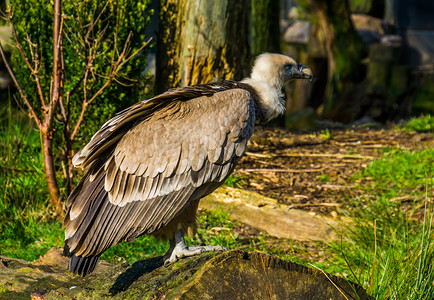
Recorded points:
(344, 53)
(50, 174)
(47, 126)
(265, 26)
(202, 41)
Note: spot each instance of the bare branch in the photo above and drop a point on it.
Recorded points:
(77, 50)
(94, 21)
(35, 59)
(76, 86)
(121, 83)
(22, 93)
(83, 107)
(136, 52)
(34, 70)
(101, 12)
(92, 44)
(20, 106)
(126, 78)
(57, 70)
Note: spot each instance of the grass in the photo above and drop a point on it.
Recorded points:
(235, 180)
(26, 229)
(389, 247)
(421, 124)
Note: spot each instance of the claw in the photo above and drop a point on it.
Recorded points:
(179, 249)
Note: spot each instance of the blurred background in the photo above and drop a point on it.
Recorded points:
(372, 60)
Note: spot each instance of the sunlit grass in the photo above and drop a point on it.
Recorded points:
(389, 246)
(422, 124)
(26, 228)
(235, 180)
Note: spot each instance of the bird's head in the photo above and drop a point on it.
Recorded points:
(276, 69)
(269, 74)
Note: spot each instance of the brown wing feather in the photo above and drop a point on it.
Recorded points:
(158, 165)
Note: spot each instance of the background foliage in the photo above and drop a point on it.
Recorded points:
(114, 20)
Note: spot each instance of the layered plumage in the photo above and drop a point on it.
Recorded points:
(148, 167)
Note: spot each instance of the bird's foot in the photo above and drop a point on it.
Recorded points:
(181, 249)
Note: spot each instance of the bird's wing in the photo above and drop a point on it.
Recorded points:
(190, 144)
(183, 151)
(106, 138)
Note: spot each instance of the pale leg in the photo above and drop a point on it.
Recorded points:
(179, 249)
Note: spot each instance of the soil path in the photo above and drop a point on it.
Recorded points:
(312, 171)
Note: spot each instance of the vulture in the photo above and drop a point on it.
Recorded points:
(147, 168)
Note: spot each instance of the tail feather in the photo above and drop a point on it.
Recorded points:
(82, 265)
(78, 264)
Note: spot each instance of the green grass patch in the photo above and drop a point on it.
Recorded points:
(235, 180)
(325, 178)
(26, 228)
(389, 246)
(400, 172)
(326, 135)
(422, 124)
(141, 248)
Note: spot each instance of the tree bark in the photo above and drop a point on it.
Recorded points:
(47, 126)
(202, 41)
(50, 174)
(344, 53)
(265, 26)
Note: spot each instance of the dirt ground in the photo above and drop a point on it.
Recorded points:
(312, 171)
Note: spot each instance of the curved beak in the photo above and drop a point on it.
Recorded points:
(302, 72)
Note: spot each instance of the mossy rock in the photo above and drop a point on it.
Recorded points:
(229, 275)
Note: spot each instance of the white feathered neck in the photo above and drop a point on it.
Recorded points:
(267, 80)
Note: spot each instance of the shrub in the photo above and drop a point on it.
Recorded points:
(85, 23)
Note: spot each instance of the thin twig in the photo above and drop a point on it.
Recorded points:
(18, 44)
(258, 155)
(314, 204)
(340, 156)
(136, 52)
(335, 186)
(328, 277)
(34, 70)
(20, 89)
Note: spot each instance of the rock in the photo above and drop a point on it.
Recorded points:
(370, 29)
(230, 275)
(368, 23)
(267, 214)
(297, 33)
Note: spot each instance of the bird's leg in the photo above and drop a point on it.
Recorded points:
(179, 249)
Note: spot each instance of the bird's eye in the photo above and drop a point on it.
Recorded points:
(288, 67)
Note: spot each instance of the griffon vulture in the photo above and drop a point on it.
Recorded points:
(148, 167)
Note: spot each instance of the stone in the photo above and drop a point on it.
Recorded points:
(297, 33)
(225, 275)
(267, 214)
